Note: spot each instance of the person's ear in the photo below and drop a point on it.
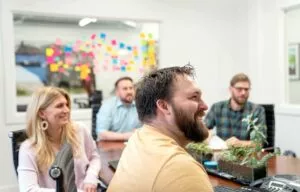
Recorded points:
(42, 114)
(163, 106)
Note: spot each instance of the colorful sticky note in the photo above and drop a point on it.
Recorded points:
(50, 60)
(58, 41)
(49, 52)
(114, 61)
(53, 67)
(56, 59)
(93, 36)
(122, 45)
(77, 68)
(142, 35)
(123, 68)
(150, 35)
(108, 48)
(129, 48)
(68, 49)
(102, 36)
(113, 42)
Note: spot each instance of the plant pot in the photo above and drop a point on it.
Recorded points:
(201, 157)
(242, 172)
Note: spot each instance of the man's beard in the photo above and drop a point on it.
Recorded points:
(192, 128)
(239, 101)
(125, 100)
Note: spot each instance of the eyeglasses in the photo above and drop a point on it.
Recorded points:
(239, 89)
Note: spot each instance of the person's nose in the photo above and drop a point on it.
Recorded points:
(66, 109)
(203, 106)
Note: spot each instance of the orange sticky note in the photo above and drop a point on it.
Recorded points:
(53, 67)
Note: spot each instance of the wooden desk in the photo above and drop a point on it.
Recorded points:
(113, 150)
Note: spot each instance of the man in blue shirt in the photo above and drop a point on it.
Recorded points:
(117, 118)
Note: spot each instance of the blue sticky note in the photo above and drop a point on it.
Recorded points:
(123, 68)
(129, 48)
(67, 49)
(102, 35)
(144, 48)
(122, 45)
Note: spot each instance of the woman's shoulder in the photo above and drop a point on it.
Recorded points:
(81, 127)
(26, 146)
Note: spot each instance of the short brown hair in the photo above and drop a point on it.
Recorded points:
(240, 77)
(157, 85)
(121, 79)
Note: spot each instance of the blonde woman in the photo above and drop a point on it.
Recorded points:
(48, 128)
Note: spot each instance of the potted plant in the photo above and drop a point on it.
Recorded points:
(200, 151)
(247, 162)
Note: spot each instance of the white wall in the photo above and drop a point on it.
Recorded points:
(293, 37)
(211, 34)
(219, 37)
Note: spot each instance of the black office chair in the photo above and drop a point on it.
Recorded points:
(270, 122)
(17, 137)
(96, 102)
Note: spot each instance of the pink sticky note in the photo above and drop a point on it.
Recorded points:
(58, 41)
(61, 70)
(113, 42)
(93, 36)
(50, 60)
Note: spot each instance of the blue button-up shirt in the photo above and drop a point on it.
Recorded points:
(115, 116)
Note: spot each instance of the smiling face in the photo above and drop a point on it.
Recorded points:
(57, 114)
(189, 108)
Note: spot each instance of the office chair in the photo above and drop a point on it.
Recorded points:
(96, 102)
(270, 122)
(17, 137)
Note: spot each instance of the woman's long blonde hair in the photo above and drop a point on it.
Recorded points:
(41, 99)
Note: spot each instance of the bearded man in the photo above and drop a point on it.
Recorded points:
(226, 116)
(169, 104)
(117, 118)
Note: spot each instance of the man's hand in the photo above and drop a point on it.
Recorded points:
(233, 141)
(88, 187)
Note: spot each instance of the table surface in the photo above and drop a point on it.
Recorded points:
(113, 150)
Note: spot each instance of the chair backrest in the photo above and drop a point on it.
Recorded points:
(270, 122)
(17, 137)
(96, 102)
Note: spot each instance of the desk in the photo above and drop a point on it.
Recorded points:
(113, 150)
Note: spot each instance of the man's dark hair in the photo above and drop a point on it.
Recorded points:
(121, 79)
(157, 85)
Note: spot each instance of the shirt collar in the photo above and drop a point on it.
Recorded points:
(120, 103)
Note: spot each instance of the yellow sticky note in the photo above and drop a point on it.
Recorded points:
(66, 66)
(53, 67)
(142, 35)
(77, 68)
(108, 48)
(49, 52)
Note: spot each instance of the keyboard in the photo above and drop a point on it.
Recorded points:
(241, 189)
(223, 189)
(227, 176)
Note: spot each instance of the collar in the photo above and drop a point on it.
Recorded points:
(120, 103)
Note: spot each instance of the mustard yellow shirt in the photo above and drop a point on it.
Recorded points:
(154, 162)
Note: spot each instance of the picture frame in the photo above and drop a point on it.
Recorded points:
(293, 62)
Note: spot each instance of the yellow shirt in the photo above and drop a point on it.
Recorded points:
(154, 162)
